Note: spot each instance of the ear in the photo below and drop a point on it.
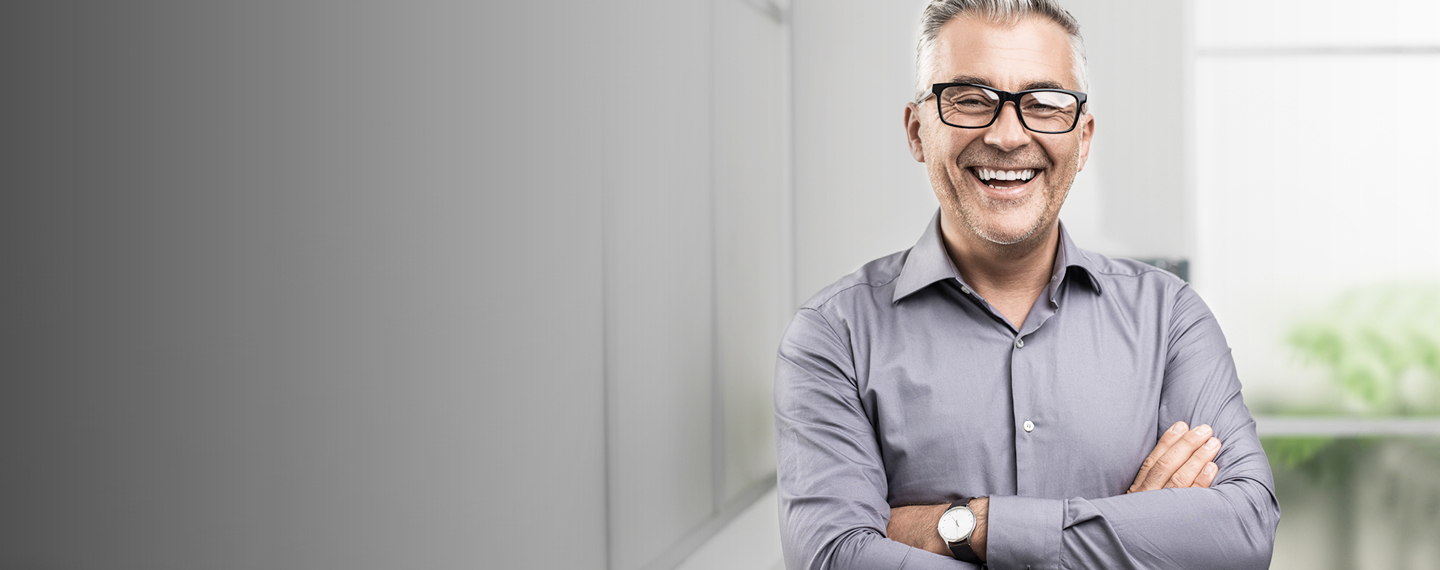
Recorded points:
(912, 131)
(1087, 132)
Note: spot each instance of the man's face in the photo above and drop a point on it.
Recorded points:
(1032, 54)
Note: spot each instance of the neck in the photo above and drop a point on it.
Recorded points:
(1009, 276)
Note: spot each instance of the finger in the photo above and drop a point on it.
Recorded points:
(1206, 476)
(1173, 458)
(1186, 467)
(1167, 439)
(1185, 475)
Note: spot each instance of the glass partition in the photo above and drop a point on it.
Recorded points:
(1316, 209)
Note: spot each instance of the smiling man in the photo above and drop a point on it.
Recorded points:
(996, 395)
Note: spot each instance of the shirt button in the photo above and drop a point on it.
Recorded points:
(1019, 343)
(1029, 426)
(964, 289)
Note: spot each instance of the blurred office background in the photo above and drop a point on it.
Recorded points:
(444, 284)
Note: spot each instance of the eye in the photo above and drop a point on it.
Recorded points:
(971, 101)
(1038, 108)
(1047, 105)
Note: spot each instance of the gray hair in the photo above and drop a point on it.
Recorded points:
(940, 12)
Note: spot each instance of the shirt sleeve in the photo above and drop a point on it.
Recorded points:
(831, 479)
(1230, 525)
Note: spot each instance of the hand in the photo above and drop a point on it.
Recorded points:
(916, 526)
(1182, 458)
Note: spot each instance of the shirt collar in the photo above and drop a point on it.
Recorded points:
(928, 262)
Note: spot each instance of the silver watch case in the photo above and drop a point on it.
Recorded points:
(956, 525)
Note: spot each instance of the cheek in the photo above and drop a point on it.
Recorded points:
(942, 142)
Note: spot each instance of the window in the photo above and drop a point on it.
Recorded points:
(1316, 155)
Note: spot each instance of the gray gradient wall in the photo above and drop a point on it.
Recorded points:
(303, 285)
(387, 285)
(440, 284)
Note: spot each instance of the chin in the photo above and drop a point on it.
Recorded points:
(1006, 236)
(1008, 232)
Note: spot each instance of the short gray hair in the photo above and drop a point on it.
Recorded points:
(940, 12)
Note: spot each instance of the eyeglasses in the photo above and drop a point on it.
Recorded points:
(972, 106)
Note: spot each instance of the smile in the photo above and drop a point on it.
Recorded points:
(1003, 179)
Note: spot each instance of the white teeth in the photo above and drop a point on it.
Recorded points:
(987, 174)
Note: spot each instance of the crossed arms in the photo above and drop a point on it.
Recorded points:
(834, 485)
(1182, 458)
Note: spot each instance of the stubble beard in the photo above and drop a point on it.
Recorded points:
(972, 212)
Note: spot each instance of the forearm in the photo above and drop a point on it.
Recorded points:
(1231, 526)
(827, 521)
(864, 549)
(917, 526)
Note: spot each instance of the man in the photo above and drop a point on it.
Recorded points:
(995, 394)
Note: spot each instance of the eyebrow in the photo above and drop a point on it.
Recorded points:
(1025, 87)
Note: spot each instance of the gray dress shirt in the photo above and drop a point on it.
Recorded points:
(899, 385)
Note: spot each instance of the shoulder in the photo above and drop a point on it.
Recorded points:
(869, 282)
(818, 340)
(835, 308)
(1158, 295)
(1126, 272)
(1135, 283)
(1147, 291)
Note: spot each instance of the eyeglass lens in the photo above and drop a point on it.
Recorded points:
(1045, 111)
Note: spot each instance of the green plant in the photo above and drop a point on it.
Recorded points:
(1324, 460)
(1373, 340)
(1378, 344)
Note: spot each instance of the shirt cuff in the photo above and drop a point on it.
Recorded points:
(1023, 532)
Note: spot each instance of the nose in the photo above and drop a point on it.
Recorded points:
(1007, 133)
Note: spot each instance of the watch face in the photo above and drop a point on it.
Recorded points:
(956, 524)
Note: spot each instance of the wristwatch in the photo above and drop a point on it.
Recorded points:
(955, 528)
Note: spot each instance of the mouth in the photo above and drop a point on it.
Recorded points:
(1004, 178)
(1004, 184)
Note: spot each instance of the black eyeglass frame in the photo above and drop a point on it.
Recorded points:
(1006, 96)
